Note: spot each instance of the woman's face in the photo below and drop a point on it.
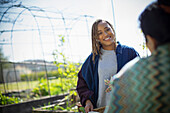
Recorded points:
(106, 36)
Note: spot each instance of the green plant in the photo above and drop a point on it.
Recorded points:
(8, 100)
(67, 79)
(82, 109)
(55, 86)
(42, 89)
(67, 72)
(66, 69)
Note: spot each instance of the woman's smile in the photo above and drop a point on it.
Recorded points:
(107, 39)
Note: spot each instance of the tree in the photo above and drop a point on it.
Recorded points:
(3, 60)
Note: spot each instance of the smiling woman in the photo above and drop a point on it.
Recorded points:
(106, 59)
(106, 36)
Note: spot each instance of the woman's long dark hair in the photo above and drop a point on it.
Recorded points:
(154, 21)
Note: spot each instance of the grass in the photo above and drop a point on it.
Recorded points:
(14, 86)
(17, 86)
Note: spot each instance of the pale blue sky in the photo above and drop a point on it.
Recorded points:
(26, 45)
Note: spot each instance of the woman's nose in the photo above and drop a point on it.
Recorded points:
(105, 33)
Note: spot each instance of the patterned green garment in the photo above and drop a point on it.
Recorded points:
(145, 87)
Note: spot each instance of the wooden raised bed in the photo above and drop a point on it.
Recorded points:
(27, 107)
(61, 103)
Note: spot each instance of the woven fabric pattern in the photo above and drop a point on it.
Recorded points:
(144, 88)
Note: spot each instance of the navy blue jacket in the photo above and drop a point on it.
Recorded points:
(88, 80)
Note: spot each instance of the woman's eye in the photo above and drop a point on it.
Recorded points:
(108, 29)
(99, 33)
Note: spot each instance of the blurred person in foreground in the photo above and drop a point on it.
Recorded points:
(143, 85)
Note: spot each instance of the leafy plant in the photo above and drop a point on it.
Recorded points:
(8, 100)
(66, 79)
(42, 89)
(82, 109)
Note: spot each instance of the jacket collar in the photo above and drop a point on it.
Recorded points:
(119, 48)
(118, 51)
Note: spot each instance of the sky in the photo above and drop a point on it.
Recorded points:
(72, 19)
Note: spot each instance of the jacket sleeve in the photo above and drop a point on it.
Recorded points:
(83, 90)
(135, 53)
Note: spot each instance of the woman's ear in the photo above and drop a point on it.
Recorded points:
(151, 43)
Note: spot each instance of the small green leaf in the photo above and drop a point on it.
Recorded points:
(82, 109)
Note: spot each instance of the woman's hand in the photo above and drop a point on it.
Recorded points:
(89, 106)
